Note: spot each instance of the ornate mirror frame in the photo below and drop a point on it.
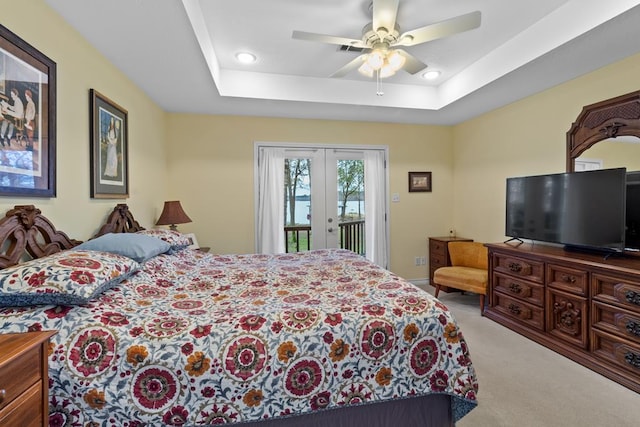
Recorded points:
(603, 120)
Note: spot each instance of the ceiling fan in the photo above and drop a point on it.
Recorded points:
(381, 37)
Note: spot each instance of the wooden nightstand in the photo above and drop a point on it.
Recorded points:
(24, 383)
(439, 255)
(204, 249)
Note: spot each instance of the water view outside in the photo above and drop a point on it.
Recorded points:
(354, 211)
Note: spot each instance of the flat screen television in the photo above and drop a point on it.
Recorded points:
(582, 210)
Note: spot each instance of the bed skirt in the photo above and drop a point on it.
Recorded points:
(424, 411)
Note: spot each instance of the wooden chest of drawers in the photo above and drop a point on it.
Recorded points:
(439, 255)
(24, 385)
(584, 306)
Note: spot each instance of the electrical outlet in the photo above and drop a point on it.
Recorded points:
(417, 260)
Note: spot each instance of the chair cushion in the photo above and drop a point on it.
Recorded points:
(464, 278)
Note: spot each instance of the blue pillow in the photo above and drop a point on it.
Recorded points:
(177, 240)
(135, 246)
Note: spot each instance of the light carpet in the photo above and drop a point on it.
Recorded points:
(524, 384)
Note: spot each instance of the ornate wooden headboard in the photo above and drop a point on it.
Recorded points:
(120, 221)
(24, 230)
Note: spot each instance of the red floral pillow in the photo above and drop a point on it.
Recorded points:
(65, 278)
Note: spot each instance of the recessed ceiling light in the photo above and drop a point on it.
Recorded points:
(246, 57)
(430, 75)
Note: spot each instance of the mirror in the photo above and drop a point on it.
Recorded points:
(608, 130)
(623, 151)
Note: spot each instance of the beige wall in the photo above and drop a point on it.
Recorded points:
(212, 164)
(207, 161)
(524, 138)
(79, 68)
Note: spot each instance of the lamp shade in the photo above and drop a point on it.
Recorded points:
(172, 214)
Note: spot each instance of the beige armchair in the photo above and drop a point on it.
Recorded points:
(468, 270)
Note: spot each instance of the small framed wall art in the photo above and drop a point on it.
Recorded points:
(419, 182)
(109, 148)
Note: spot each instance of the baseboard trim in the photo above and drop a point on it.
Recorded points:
(419, 282)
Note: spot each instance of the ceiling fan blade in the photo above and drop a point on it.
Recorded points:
(323, 38)
(384, 14)
(412, 64)
(440, 29)
(350, 66)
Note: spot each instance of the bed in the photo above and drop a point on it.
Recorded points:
(187, 338)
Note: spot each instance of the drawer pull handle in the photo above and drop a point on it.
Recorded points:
(632, 359)
(514, 308)
(515, 288)
(633, 328)
(515, 267)
(3, 393)
(568, 279)
(632, 297)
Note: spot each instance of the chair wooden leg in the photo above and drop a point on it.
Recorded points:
(437, 290)
(481, 305)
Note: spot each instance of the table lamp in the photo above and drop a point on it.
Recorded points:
(173, 214)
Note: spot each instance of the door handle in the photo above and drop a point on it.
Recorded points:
(330, 229)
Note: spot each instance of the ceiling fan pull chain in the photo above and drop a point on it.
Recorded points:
(379, 91)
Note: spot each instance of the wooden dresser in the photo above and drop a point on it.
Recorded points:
(24, 384)
(582, 305)
(439, 255)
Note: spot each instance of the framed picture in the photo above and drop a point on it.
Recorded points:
(193, 242)
(419, 181)
(109, 148)
(27, 119)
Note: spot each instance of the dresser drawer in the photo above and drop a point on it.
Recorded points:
(568, 317)
(519, 288)
(437, 261)
(519, 267)
(614, 290)
(615, 320)
(23, 377)
(438, 247)
(568, 279)
(525, 312)
(20, 373)
(25, 411)
(616, 350)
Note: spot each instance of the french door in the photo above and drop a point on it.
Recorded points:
(328, 202)
(324, 195)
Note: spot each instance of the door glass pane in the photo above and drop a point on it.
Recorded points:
(297, 194)
(350, 174)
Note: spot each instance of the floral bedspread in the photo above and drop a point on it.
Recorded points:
(199, 339)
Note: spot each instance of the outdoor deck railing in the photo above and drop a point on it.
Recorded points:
(292, 234)
(351, 236)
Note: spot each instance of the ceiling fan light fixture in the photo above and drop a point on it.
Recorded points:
(376, 59)
(246, 57)
(387, 71)
(366, 70)
(431, 75)
(395, 60)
